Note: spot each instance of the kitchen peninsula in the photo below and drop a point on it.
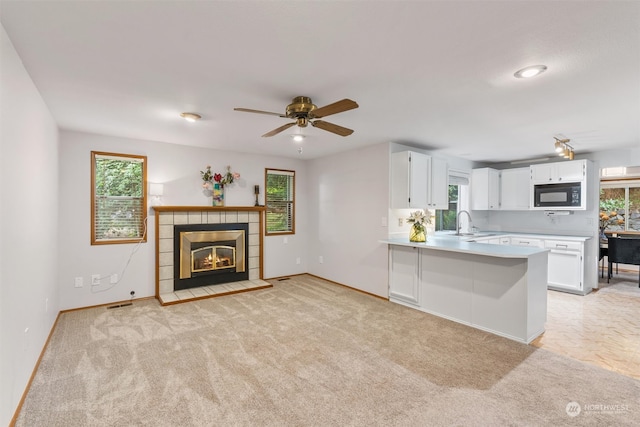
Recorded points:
(499, 289)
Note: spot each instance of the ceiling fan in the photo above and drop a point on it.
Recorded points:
(304, 112)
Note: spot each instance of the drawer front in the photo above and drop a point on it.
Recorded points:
(563, 245)
(521, 241)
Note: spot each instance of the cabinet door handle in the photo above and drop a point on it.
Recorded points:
(561, 246)
(526, 243)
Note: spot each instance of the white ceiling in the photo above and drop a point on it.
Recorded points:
(433, 74)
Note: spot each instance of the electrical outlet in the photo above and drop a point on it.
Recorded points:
(46, 305)
(321, 259)
(114, 279)
(400, 222)
(285, 240)
(78, 282)
(298, 260)
(95, 279)
(383, 221)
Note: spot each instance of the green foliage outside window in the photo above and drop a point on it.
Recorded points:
(620, 207)
(446, 219)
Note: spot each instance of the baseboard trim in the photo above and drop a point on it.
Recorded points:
(127, 301)
(348, 287)
(16, 414)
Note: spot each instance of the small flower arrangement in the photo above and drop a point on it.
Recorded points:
(209, 177)
(418, 232)
(227, 178)
(419, 218)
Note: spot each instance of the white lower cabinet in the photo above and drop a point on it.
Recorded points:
(502, 295)
(566, 269)
(404, 265)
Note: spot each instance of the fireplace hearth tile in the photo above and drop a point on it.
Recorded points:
(212, 291)
(180, 218)
(195, 218)
(198, 292)
(231, 217)
(169, 298)
(184, 294)
(243, 216)
(166, 231)
(165, 218)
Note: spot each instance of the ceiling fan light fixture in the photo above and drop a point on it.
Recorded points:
(191, 117)
(530, 71)
(298, 138)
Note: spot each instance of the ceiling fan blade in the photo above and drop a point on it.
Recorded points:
(249, 110)
(278, 130)
(339, 130)
(336, 107)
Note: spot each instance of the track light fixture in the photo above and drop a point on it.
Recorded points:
(563, 148)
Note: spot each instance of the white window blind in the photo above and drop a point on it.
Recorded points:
(279, 200)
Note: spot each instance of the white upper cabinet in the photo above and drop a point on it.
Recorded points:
(571, 171)
(409, 172)
(438, 185)
(418, 181)
(514, 189)
(485, 189)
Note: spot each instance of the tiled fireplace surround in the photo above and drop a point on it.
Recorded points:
(168, 216)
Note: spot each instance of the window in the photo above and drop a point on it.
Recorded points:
(620, 205)
(118, 198)
(279, 200)
(458, 200)
(446, 219)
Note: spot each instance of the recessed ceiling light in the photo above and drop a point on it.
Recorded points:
(531, 71)
(190, 117)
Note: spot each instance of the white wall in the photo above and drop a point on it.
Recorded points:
(28, 224)
(178, 168)
(348, 196)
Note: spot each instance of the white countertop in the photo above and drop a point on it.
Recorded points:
(456, 244)
(532, 235)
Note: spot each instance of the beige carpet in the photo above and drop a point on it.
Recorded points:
(307, 353)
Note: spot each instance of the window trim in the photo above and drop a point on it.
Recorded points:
(116, 241)
(293, 202)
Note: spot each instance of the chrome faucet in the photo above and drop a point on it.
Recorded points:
(458, 221)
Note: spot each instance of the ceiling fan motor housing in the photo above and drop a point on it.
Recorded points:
(300, 108)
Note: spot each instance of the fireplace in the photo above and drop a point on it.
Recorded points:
(210, 254)
(200, 217)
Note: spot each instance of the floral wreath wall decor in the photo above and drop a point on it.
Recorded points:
(214, 183)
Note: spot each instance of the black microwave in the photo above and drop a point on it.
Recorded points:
(567, 195)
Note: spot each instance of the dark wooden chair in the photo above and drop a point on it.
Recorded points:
(623, 250)
(604, 251)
